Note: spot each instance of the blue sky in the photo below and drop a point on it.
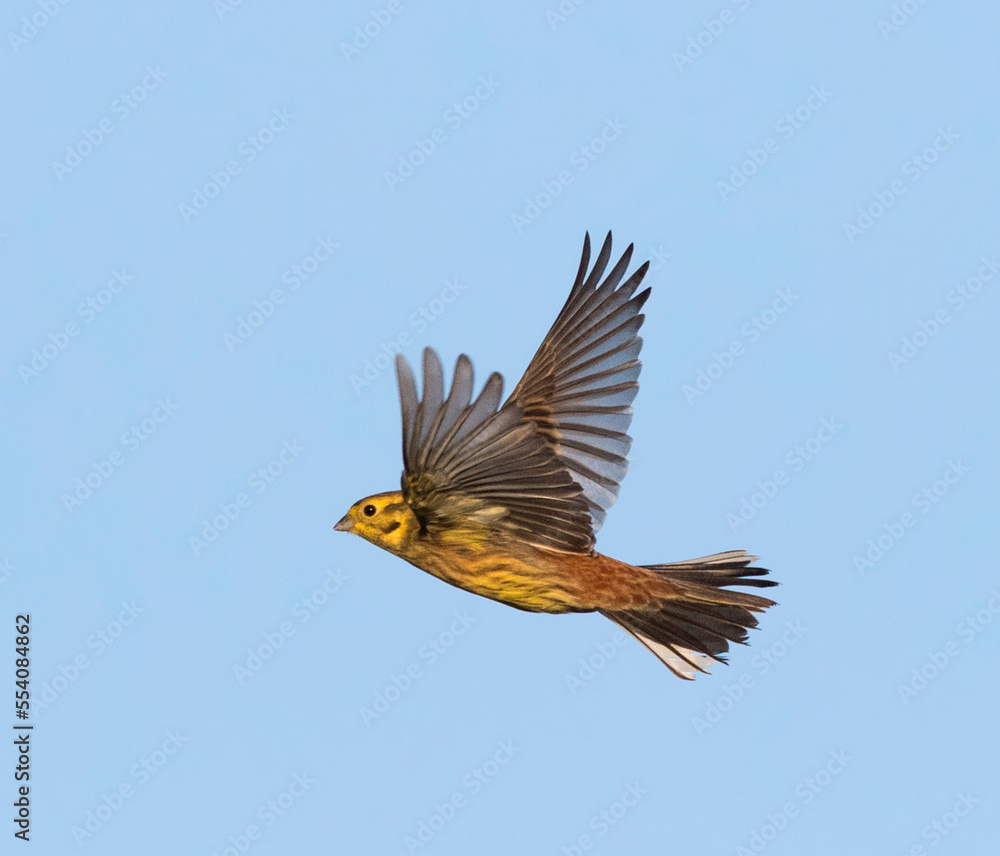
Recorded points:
(218, 222)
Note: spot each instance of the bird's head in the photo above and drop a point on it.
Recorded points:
(384, 519)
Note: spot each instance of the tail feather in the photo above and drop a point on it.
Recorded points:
(689, 629)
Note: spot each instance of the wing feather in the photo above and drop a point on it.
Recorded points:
(581, 382)
(468, 465)
(546, 465)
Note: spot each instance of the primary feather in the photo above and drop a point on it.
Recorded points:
(580, 385)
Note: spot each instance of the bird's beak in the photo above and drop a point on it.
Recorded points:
(345, 524)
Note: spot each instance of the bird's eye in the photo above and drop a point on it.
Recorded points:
(369, 510)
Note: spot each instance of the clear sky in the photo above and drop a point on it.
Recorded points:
(217, 223)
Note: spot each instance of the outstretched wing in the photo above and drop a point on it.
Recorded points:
(470, 469)
(579, 387)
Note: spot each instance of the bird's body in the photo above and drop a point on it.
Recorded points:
(517, 573)
(504, 501)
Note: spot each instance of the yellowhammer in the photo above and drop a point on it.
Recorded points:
(504, 501)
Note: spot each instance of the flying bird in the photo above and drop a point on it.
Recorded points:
(505, 500)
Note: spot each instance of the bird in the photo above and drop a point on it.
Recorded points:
(505, 500)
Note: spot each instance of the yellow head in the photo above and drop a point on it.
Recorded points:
(384, 519)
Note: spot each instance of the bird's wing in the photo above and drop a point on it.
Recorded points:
(470, 469)
(579, 387)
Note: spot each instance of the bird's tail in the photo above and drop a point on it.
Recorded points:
(689, 629)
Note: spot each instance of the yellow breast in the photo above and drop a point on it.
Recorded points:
(524, 580)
